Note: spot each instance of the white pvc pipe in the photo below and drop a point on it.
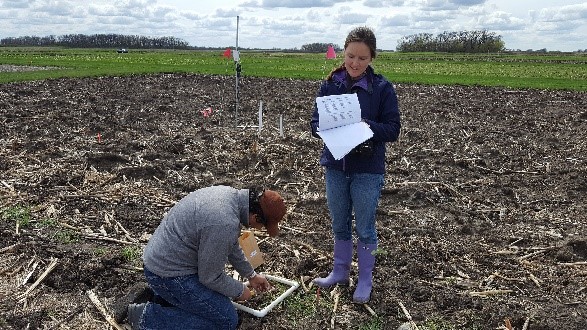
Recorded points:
(260, 313)
(260, 116)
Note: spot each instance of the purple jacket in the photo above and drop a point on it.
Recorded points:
(379, 109)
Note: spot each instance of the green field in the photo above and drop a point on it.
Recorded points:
(541, 71)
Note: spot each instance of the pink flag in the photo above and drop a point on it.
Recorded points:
(226, 53)
(330, 54)
(207, 112)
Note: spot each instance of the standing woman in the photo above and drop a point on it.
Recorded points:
(354, 182)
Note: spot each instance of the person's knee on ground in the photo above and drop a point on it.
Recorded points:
(137, 293)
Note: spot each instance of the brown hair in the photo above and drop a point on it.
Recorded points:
(359, 34)
(365, 35)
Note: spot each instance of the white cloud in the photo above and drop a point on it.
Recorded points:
(292, 23)
(384, 3)
(396, 20)
(500, 21)
(565, 13)
(297, 3)
(345, 15)
(14, 4)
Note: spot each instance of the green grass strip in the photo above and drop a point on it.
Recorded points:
(517, 71)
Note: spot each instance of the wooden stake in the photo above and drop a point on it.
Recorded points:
(408, 316)
(102, 310)
(318, 296)
(530, 255)
(535, 279)
(126, 233)
(578, 263)
(9, 248)
(26, 278)
(40, 279)
(485, 294)
(303, 284)
(105, 238)
(336, 295)
(370, 310)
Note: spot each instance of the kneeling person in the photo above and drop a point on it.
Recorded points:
(185, 259)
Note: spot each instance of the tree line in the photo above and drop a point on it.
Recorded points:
(453, 42)
(318, 47)
(479, 41)
(98, 41)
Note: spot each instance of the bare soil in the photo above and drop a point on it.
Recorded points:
(482, 219)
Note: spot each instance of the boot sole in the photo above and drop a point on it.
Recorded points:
(328, 286)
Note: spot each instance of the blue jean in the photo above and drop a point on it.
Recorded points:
(358, 192)
(194, 306)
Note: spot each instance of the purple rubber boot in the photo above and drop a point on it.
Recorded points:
(366, 260)
(343, 255)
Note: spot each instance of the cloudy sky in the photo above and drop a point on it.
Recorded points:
(523, 24)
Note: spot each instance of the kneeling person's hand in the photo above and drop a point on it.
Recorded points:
(246, 295)
(259, 283)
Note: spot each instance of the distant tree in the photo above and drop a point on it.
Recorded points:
(454, 42)
(98, 41)
(318, 48)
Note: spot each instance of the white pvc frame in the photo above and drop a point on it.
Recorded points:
(260, 313)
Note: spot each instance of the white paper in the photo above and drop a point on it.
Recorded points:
(339, 123)
(341, 140)
(338, 110)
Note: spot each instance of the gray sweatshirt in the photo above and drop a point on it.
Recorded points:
(199, 235)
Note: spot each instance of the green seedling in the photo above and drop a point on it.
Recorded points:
(132, 254)
(47, 223)
(374, 323)
(66, 236)
(21, 215)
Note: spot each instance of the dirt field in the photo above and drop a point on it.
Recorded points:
(482, 220)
